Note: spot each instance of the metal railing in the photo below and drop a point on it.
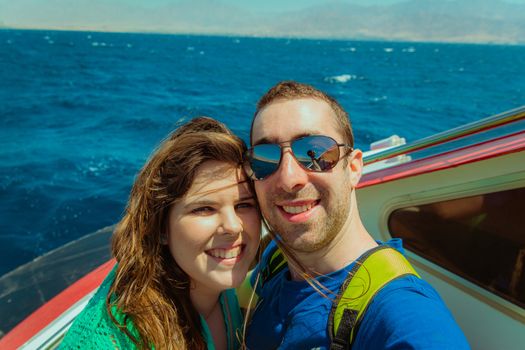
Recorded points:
(452, 134)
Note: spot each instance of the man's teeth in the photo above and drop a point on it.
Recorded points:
(297, 209)
(225, 253)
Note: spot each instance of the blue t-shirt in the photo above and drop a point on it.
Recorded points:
(406, 314)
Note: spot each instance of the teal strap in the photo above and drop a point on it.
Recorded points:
(207, 334)
(233, 321)
(233, 318)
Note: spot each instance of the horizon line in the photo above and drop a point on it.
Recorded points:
(262, 36)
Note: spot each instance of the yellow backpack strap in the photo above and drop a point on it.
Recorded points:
(269, 268)
(371, 272)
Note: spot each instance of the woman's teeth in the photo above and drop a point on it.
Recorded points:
(225, 253)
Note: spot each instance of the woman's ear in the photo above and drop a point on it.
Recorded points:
(164, 237)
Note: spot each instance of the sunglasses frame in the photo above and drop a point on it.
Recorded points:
(248, 156)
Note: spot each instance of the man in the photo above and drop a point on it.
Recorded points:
(306, 171)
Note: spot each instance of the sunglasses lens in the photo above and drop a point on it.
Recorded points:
(316, 153)
(264, 160)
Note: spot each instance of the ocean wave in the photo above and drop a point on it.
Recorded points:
(341, 79)
(378, 98)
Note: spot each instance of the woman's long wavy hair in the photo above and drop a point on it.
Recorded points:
(150, 289)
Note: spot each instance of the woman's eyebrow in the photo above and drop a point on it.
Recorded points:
(245, 198)
(200, 202)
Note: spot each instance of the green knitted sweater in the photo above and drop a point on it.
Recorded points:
(94, 329)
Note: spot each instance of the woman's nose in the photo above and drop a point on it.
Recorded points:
(231, 223)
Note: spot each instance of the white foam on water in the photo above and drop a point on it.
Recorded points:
(388, 49)
(94, 43)
(348, 49)
(411, 49)
(343, 78)
(378, 99)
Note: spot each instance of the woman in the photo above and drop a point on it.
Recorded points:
(189, 234)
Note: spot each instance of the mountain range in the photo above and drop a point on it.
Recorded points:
(460, 21)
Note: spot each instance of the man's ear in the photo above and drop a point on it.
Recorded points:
(356, 166)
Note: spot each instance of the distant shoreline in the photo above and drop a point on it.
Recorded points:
(263, 36)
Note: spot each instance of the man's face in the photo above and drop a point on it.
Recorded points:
(307, 209)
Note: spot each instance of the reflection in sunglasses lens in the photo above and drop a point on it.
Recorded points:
(315, 153)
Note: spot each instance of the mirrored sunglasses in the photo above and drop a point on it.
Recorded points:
(317, 153)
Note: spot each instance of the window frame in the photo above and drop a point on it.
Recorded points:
(446, 193)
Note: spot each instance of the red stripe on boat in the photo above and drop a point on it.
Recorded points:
(494, 148)
(48, 312)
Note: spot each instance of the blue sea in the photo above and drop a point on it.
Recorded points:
(81, 111)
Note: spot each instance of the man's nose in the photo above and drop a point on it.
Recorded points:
(290, 176)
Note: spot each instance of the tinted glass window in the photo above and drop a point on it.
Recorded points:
(481, 238)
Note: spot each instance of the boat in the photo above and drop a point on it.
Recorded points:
(455, 198)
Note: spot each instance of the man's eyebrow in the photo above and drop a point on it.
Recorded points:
(266, 140)
(262, 141)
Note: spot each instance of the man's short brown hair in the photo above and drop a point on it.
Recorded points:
(292, 90)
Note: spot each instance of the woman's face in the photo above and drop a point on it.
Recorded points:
(213, 231)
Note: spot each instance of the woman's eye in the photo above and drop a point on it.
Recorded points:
(202, 210)
(244, 205)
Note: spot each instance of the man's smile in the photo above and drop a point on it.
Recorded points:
(298, 211)
(298, 207)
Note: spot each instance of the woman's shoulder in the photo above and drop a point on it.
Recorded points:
(93, 327)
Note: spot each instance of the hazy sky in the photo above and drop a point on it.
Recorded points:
(284, 5)
(263, 5)
(279, 4)
(475, 20)
(298, 4)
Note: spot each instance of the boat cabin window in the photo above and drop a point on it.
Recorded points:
(480, 238)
